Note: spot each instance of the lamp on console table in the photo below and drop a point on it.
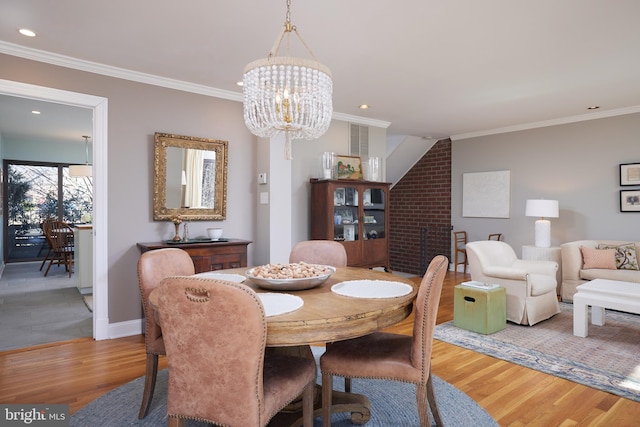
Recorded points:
(542, 209)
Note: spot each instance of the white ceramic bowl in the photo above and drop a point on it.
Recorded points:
(214, 233)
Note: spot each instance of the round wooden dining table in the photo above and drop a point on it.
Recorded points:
(326, 316)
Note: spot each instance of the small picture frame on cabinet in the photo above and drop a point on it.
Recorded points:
(347, 167)
(350, 196)
(349, 232)
(630, 174)
(338, 197)
(629, 200)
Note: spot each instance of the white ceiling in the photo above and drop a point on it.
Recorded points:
(56, 122)
(433, 68)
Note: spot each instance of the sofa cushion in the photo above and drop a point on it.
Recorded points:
(626, 258)
(598, 258)
(622, 275)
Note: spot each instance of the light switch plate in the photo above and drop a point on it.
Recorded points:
(264, 198)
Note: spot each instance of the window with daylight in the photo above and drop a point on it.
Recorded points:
(35, 192)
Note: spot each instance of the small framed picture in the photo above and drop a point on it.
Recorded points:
(629, 200)
(347, 167)
(338, 197)
(630, 174)
(350, 232)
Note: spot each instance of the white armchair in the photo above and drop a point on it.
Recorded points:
(530, 285)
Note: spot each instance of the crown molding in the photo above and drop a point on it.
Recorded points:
(122, 73)
(360, 120)
(553, 122)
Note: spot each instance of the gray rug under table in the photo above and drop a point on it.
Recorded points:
(392, 404)
(607, 359)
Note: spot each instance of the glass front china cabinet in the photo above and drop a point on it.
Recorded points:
(354, 213)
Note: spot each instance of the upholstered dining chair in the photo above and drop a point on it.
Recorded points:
(325, 252)
(530, 285)
(153, 266)
(389, 356)
(460, 248)
(215, 333)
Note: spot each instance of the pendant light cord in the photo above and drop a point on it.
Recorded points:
(86, 149)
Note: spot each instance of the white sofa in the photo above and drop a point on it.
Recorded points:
(573, 273)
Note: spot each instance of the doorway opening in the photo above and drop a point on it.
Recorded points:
(35, 192)
(99, 108)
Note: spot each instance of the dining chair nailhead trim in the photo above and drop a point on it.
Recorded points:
(197, 295)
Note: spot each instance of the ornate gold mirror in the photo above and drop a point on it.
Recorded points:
(190, 178)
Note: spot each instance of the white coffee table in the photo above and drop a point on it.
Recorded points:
(601, 294)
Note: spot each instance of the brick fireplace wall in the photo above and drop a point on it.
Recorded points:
(420, 212)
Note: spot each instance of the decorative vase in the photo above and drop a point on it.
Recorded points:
(177, 238)
(185, 232)
(327, 165)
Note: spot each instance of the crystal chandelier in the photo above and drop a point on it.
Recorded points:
(283, 94)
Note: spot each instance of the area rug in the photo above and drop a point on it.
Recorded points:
(392, 404)
(607, 359)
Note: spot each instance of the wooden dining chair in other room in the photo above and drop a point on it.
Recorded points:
(215, 334)
(326, 252)
(495, 236)
(460, 247)
(383, 355)
(46, 226)
(61, 239)
(153, 266)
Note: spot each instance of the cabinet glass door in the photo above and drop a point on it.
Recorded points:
(345, 214)
(374, 214)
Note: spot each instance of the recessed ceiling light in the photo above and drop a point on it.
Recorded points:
(364, 107)
(27, 32)
(240, 83)
(593, 107)
(35, 112)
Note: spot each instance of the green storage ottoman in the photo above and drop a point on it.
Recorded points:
(479, 310)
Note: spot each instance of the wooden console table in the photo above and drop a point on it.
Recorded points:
(208, 255)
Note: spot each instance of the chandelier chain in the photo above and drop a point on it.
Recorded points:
(288, 16)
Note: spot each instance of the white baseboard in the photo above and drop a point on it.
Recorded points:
(125, 329)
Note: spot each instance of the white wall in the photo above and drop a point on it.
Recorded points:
(577, 164)
(306, 164)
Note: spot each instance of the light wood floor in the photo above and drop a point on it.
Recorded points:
(79, 371)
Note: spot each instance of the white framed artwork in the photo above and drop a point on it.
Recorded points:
(486, 194)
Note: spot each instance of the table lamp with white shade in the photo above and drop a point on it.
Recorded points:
(542, 209)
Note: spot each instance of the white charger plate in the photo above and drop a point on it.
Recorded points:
(371, 289)
(236, 278)
(279, 303)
